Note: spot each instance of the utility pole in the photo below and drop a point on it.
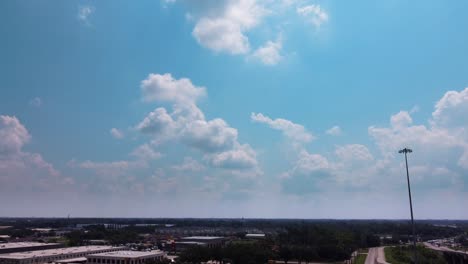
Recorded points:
(406, 151)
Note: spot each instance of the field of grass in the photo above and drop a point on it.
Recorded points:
(403, 254)
(361, 258)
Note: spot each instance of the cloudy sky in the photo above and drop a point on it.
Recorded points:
(233, 108)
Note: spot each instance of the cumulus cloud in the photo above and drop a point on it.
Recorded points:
(226, 26)
(308, 162)
(157, 122)
(223, 30)
(291, 130)
(334, 131)
(116, 133)
(353, 153)
(146, 152)
(210, 136)
(18, 167)
(451, 110)
(164, 88)
(84, 12)
(314, 14)
(13, 135)
(439, 158)
(187, 124)
(111, 168)
(269, 53)
(189, 164)
(238, 158)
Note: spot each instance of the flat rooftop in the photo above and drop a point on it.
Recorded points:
(190, 243)
(128, 254)
(57, 251)
(255, 235)
(202, 237)
(72, 260)
(25, 245)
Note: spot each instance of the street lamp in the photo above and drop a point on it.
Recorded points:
(406, 151)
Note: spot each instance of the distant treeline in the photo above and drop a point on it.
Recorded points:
(305, 240)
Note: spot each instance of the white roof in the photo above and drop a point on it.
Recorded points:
(24, 244)
(128, 254)
(72, 260)
(57, 251)
(255, 235)
(202, 237)
(189, 243)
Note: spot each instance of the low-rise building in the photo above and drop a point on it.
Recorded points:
(209, 241)
(126, 257)
(53, 255)
(26, 246)
(255, 236)
(192, 241)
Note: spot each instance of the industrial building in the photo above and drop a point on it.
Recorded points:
(125, 257)
(204, 241)
(255, 236)
(52, 255)
(26, 246)
(209, 241)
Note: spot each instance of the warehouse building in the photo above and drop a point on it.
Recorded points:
(53, 255)
(193, 241)
(126, 257)
(26, 246)
(208, 241)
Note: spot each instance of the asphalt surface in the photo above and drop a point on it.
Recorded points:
(442, 248)
(376, 255)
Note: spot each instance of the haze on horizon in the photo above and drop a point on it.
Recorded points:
(233, 108)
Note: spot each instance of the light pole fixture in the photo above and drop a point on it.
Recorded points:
(406, 151)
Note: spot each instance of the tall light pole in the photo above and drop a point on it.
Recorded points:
(406, 151)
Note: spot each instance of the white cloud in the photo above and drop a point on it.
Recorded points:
(35, 102)
(13, 135)
(146, 152)
(334, 131)
(116, 133)
(157, 122)
(210, 136)
(439, 158)
(164, 88)
(310, 162)
(228, 26)
(22, 171)
(451, 110)
(291, 130)
(84, 12)
(353, 153)
(314, 14)
(238, 158)
(401, 120)
(187, 124)
(189, 164)
(223, 30)
(269, 53)
(221, 35)
(109, 169)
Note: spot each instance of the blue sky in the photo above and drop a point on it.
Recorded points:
(233, 108)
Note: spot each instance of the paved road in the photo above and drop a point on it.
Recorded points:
(442, 248)
(376, 256)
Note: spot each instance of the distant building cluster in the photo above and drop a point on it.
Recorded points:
(150, 246)
(37, 256)
(26, 246)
